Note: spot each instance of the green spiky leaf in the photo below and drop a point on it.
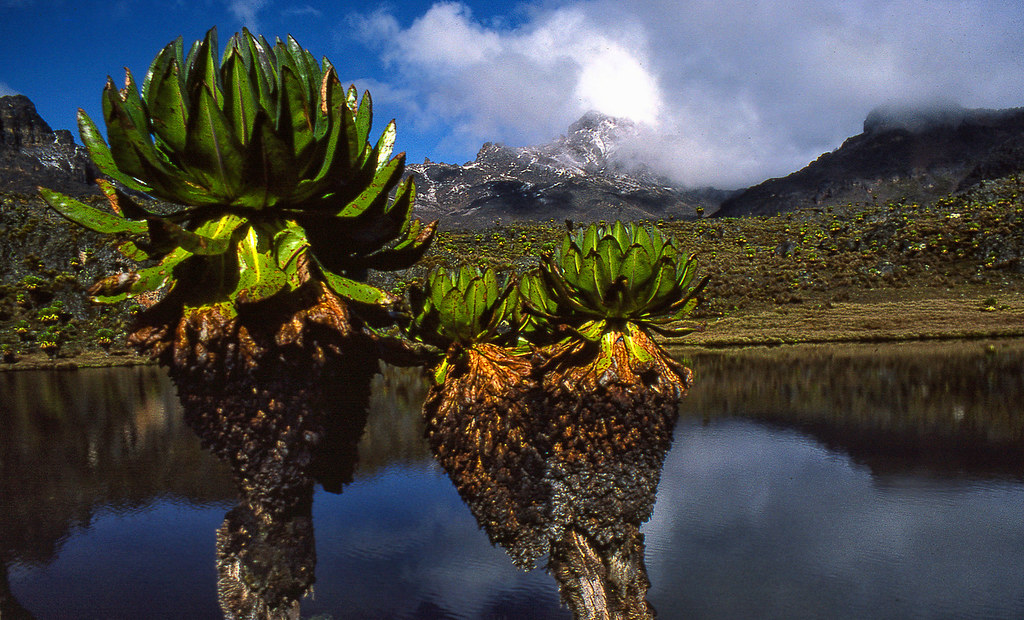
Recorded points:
(100, 153)
(259, 276)
(212, 153)
(359, 292)
(160, 275)
(240, 95)
(91, 217)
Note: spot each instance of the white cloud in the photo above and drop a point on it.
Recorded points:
(6, 90)
(731, 92)
(760, 89)
(301, 11)
(447, 37)
(513, 85)
(246, 12)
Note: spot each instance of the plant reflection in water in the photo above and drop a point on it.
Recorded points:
(266, 554)
(580, 503)
(77, 445)
(929, 439)
(571, 480)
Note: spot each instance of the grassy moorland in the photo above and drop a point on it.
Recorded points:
(878, 272)
(893, 271)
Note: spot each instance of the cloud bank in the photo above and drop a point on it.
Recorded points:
(730, 92)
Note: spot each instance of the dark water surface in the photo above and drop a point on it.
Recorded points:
(854, 482)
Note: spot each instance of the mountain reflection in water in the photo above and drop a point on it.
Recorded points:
(954, 408)
(851, 482)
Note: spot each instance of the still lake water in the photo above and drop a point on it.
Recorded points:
(821, 482)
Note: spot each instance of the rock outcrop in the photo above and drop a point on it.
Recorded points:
(582, 176)
(902, 153)
(32, 154)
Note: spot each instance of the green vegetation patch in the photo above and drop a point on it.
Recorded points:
(972, 243)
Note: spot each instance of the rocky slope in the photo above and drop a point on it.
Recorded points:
(31, 154)
(36, 240)
(579, 176)
(46, 262)
(917, 154)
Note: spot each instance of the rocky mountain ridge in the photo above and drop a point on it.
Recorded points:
(579, 176)
(32, 154)
(589, 174)
(582, 175)
(915, 154)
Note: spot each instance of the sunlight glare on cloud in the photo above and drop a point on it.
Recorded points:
(614, 82)
(517, 85)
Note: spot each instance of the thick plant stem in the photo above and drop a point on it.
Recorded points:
(280, 394)
(264, 388)
(479, 427)
(264, 567)
(602, 585)
(563, 458)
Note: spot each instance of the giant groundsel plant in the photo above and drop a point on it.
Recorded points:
(459, 310)
(616, 275)
(613, 285)
(254, 273)
(268, 158)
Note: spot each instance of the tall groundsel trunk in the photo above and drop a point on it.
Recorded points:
(280, 394)
(262, 388)
(266, 549)
(609, 416)
(480, 427)
(559, 454)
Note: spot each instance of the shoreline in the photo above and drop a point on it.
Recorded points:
(86, 359)
(880, 317)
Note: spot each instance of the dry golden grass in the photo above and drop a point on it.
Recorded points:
(897, 318)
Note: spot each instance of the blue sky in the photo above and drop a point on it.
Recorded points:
(728, 92)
